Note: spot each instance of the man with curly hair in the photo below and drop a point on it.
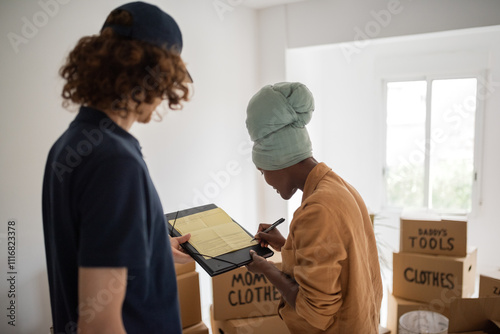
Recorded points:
(110, 261)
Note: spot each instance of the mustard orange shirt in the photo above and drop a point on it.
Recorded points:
(331, 253)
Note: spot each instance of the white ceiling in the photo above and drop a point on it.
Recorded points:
(258, 4)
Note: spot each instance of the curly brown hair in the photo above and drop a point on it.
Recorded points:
(106, 71)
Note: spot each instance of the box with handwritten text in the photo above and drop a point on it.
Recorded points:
(434, 235)
(242, 294)
(425, 278)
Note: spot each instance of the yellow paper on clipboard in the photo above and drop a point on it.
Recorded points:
(213, 232)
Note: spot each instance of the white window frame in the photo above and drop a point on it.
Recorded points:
(480, 76)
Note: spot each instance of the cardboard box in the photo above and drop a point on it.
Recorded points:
(474, 314)
(242, 294)
(383, 330)
(181, 269)
(188, 286)
(489, 284)
(199, 328)
(396, 307)
(465, 314)
(434, 236)
(271, 324)
(427, 278)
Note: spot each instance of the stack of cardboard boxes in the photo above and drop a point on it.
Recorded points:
(245, 303)
(435, 270)
(434, 262)
(188, 286)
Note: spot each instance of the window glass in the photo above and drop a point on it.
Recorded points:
(405, 151)
(453, 114)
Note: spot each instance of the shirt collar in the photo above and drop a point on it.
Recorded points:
(100, 119)
(316, 174)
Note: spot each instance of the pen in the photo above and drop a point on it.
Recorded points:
(272, 227)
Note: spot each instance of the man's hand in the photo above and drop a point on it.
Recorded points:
(179, 255)
(273, 237)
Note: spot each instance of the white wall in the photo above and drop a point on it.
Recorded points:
(190, 151)
(318, 22)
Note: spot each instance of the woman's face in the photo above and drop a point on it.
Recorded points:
(280, 181)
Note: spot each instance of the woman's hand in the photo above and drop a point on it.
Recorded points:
(178, 253)
(272, 238)
(285, 285)
(258, 265)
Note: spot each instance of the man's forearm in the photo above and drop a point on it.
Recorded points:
(285, 285)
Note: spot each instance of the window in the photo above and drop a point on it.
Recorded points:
(430, 142)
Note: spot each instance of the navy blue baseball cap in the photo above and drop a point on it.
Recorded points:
(150, 24)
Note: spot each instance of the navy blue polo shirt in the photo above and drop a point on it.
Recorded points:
(101, 209)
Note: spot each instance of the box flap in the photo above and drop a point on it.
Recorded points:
(199, 328)
(471, 314)
(181, 269)
(429, 215)
(492, 274)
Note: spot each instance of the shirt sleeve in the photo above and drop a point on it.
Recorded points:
(113, 216)
(319, 252)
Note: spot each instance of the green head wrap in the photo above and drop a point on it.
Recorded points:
(276, 120)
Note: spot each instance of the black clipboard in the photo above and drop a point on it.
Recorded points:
(216, 266)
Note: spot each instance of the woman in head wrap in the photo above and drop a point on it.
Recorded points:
(330, 281)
